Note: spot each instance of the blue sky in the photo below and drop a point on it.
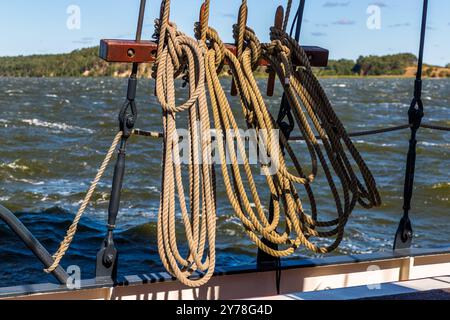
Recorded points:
(40, 26)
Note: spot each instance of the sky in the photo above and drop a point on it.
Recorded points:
(348, 28)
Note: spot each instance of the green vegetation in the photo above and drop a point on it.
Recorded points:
(389, 65)
(342, 67)
(85, 62)
(396, 65)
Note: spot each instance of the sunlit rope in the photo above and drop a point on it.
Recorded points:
(175, 53)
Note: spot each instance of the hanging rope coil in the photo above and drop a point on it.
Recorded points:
(304, 90)
(299, 227)
(201, 63)
(177, 52)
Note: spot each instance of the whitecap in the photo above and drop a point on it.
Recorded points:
(52, 125)
(14, 165)
(230, 232)
(35, 183)
(432, 144)
(51, 95)
(376, 144)
(153, 189)
(441, 185)
(4, 123)
(13, 91)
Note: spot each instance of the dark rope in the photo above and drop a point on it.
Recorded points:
(434, 127)
(365, 133)
(287, 127)
(157, 134)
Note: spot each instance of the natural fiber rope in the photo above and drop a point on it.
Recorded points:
(302, 89)
(281, 185)
(287, 15)
(65, 244)
(178, 51)
(158, 135)
(307, 97)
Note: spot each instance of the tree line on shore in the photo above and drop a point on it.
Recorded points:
(85, 62)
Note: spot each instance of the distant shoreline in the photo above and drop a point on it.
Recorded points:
(86, 63)
(387, 77)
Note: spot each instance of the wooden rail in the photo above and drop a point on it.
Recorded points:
(130, 51)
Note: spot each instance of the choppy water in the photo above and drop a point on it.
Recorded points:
(54, 133)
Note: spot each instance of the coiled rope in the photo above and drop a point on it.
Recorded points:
(177, 51)
(307, 98)
(299, 227)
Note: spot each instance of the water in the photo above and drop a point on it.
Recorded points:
(54, 133)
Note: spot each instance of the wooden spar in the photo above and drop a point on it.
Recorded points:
(279, 16)
(130, 51)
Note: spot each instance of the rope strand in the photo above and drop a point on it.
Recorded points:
(65, 244)
(300, 227)
(178, 51)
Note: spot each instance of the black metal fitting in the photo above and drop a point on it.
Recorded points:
(132, 88)
(418, 89)
(416, 110)
(107, 257)
(107, 261)
(416, 114)
(128, 113)
(404, 235)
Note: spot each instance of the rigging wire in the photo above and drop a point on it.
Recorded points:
(404, 234)
(156, 134)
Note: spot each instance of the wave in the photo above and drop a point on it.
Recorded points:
(52, 125)
(32, 182)
(433, 144)
(56, 210)
(15, 166)
(376, 144)
(441, 186)
(13, 91)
